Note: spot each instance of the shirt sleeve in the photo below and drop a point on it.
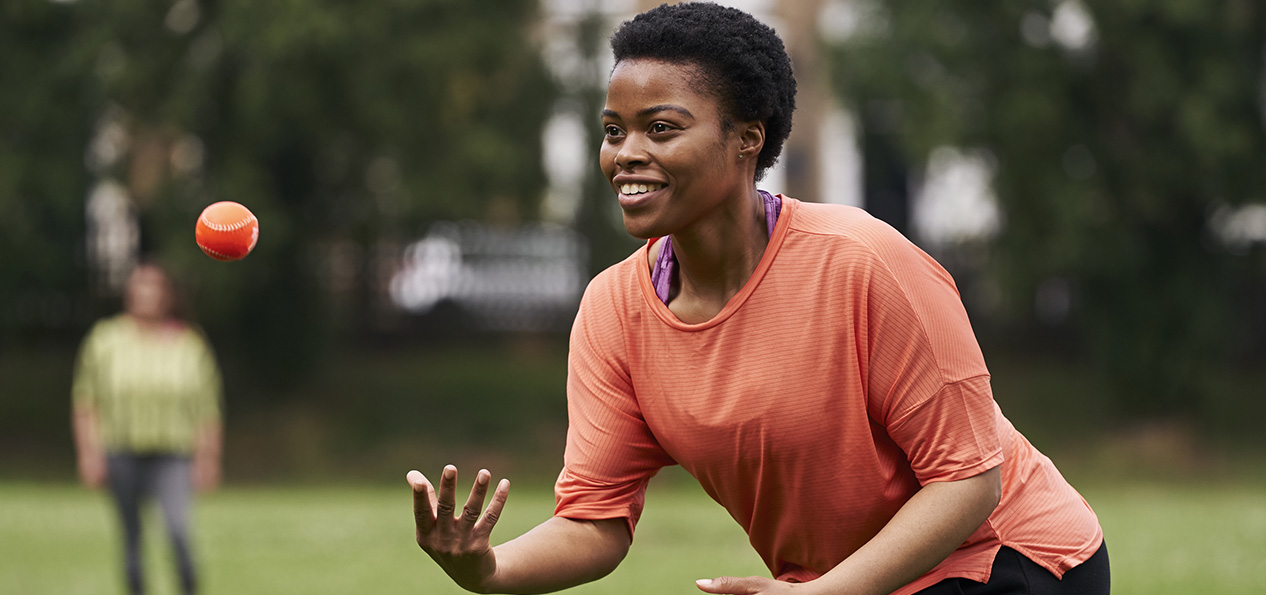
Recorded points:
(85, 385)
(927, 380)
(953, 435)
(611, 453)
(210, 393)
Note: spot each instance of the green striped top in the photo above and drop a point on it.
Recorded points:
(151, 390)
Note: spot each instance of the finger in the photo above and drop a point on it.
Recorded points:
(728, 585)
(498, 503)
(423, 509)
(446, 501)
(475, 502)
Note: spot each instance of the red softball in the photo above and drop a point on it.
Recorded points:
(226, 231)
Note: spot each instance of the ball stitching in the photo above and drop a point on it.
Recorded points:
(227, 227)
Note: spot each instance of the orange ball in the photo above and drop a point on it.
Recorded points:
(226, 231)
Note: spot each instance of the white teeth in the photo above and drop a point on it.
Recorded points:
(631, 189)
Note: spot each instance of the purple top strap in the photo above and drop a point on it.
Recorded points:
(665, 269)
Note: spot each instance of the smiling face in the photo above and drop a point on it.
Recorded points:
(669, 152)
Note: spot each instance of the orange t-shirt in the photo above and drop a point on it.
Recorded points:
(841, 378)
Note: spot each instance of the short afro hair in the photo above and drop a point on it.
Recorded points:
(740, 58)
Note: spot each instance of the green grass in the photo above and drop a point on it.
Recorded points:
(1184, 539)
(57, 538)
(314, 540)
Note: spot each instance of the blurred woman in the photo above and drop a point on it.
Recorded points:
(146, 415)
(809, 366)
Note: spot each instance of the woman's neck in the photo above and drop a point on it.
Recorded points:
(149, 323)
(717, 256)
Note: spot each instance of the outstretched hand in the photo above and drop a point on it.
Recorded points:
(752, 585)
(459, 544)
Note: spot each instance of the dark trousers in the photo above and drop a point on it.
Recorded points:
(1014, 574)
(133, 480)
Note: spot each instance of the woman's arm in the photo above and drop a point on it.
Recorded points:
(926, 530)
(560, 553)
(207, 456)
(557, 554)
(89, 452)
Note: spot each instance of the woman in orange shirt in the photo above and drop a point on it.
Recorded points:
(814, 370)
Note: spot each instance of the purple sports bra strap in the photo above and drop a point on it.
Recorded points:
(665, 270)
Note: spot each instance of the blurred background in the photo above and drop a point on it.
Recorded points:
(424, 171)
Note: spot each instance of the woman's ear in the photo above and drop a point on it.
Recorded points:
(751, 139)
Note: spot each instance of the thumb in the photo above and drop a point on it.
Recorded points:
(728, 585)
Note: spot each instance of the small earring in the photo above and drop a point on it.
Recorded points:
(740, 155)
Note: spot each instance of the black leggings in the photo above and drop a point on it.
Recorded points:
(1014, 574)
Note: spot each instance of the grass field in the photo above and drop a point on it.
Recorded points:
(57, 538)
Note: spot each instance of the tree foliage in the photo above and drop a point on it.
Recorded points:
(1118, 150)
(345, 127)
(43, 132)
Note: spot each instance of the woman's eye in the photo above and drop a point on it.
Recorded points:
(613, 131)
(660, 127)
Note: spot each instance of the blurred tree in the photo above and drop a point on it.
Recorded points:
(43, 131)
(344, 126)
(1120, 132)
